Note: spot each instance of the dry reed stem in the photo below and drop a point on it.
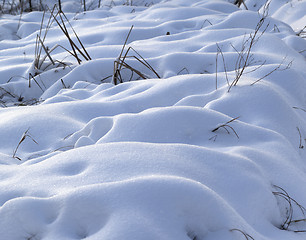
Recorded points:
(32, 77)
(73, 45)
(219, 50)
(289, 217)
(239, 2)
(23, 138)
(246, 235)
(273, 70)
(301, 146)
(120, 62)
(244, 56)
(226, 125)
(300, 108)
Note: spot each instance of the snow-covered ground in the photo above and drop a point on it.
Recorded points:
(211, 145)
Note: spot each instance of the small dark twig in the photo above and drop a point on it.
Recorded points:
(224, 65)
(246, 235)
(226, 125)
(182, 70)
(46, 50)
(217, 70)
(301, 32)
(32, 77)
(299, 108)
(273, 70)
(206, 20)
(24, 136)
(64, 85)
(213, 138)
(301, 146)
(117, 66)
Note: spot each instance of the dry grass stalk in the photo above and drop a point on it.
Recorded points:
(32, 77)
(302, 32)
(217, 69)
(64, 148)
(23, 138)
(301, 146)
(64, 85)
(5, 92)
(15, 7)
(239, 2)
(3, 104)
(76, 52)
(121, 63)
(46, 50)
(184, 69)
(245, 57)
(226, 125)
(219, 51)
(39, 44)
(289, 212)
(30, 102)
(273, 70)
(246, 235)
(117, 66)
(206, 20)
(304, 110)
(61, 23)
(14, 99)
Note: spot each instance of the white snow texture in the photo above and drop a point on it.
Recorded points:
(200, 134)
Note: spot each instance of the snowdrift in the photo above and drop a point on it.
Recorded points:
(189, 125)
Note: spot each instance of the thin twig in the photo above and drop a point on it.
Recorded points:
(24, 136)
(301, 146)
(246, 235)
(299, 108)
(224, 65)
(273, 70)
(120, 63)
(226, 125)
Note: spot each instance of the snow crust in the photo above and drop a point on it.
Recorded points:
(183, 156)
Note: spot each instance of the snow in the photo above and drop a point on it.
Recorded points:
(184, 156)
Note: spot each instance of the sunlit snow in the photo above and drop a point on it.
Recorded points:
(199, 134)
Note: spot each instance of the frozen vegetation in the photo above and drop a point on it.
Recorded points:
(153, 119)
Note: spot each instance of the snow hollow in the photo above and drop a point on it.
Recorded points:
(153, 120)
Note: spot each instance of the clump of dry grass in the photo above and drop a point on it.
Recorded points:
(239, 2)
(15, 7)
(121, 63)
(289, 221)
(43, 59)
(245, 56)
(78, 51)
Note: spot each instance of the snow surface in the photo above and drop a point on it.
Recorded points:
(82, 158)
